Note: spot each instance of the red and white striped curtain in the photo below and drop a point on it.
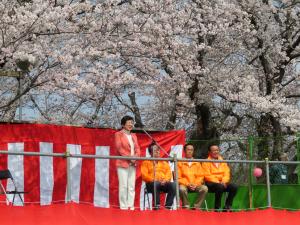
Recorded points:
(92, 180)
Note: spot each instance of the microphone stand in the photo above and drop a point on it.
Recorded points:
(154, 184)
(156, 143)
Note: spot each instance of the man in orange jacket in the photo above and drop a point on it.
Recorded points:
(190, 179)
(217, 178)
(157, 174)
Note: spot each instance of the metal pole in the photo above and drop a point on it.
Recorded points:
(154, 184)
(87, 156)
(176, 180)
(250, 178)
(69, 190)
(268, 183)
(298, 155)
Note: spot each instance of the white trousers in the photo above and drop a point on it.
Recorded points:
(126, 178)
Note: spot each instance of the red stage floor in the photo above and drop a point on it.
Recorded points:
(63, 214)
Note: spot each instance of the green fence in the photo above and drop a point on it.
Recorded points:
(253, 192)
(283, 197)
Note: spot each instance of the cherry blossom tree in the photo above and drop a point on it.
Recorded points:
(218, 68)
(238, 54)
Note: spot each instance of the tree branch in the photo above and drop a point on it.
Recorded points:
(39, 109)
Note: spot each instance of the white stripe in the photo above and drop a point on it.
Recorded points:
(15, 164)
(46, 174)
(75, 172)
(101, 190)
(175, 150)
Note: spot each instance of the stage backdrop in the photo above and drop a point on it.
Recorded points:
(92, 180)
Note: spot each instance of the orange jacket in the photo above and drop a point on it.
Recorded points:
(162, 171)
(190, 174)
(123, 148)
(220, 174)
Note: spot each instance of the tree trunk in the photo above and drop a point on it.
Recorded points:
(135, 110)
(270, 143)
(94, 118)
(173, 115)
(204, 131)
(277, 138)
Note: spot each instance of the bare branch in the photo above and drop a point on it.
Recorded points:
(39, 108)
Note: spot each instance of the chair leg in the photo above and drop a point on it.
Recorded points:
(4, 193)
(16, 192)
(144, 200)
(147, 195)
(205, 203)
(21, 199)
(13, 201)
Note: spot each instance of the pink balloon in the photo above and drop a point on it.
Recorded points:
(257, 172)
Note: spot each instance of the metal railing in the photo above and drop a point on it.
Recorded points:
(175, 160)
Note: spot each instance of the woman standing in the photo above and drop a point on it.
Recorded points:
(126, 145)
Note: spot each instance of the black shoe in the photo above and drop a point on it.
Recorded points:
(156, 207)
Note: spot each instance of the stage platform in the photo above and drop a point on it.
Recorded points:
(82, 214)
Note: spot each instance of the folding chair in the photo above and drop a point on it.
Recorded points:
(5, 175)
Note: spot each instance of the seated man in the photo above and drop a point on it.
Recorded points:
(190, 179)
(157, 174)
(217, 178)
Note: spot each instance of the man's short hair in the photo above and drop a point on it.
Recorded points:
(211, 146)
(125, 119)
(187, 144)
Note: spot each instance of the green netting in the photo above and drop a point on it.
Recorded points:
(298, 155)
(283, 197)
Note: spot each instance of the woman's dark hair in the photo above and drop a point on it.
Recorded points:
(125, 119)
(150, 147)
